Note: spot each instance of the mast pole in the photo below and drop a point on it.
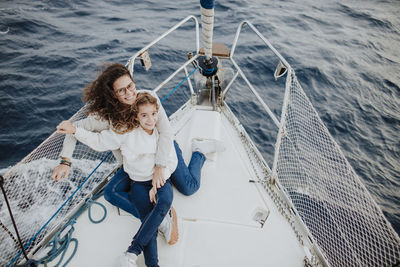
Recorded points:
(208, 63)
(207, 24)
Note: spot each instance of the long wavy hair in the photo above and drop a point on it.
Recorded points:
(102, 100)
(142, 99)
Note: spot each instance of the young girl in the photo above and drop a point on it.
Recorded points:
(138, 144)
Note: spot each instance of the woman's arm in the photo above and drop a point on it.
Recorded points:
(165, 144)
(165, 141)
(103, 141)
(91, 123)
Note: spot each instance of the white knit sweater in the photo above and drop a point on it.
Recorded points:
(138, 150)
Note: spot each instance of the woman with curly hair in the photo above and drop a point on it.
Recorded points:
(109, 99)
(137, 140)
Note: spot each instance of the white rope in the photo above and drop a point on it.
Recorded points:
(207, 24)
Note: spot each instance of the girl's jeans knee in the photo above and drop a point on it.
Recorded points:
(117, 192)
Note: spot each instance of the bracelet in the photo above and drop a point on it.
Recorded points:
(65, 162)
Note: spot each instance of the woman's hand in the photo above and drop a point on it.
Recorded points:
(60, 172)
(158, 177)
(152, 194)
(66, 127)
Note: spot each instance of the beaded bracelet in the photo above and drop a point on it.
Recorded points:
(65, 162)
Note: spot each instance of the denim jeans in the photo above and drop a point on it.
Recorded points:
(117, 192)
(185, 179)
(151, 217)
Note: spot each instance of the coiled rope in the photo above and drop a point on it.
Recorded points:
(62, 239)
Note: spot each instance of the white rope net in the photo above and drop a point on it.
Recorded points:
(341, 215)
(37, 202)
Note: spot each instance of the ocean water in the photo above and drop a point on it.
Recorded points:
(346, 55)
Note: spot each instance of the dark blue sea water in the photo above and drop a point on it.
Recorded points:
(346, 55)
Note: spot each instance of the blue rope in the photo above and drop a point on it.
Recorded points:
(179, 84)
(60, 246)
(70, 197)
(90, 203)
(65, 242)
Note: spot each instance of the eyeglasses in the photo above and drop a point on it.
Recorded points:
(122, 91)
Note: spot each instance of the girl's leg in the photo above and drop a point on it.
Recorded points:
(151, 253)
(186, 179)
(151, 217)
(117, 192)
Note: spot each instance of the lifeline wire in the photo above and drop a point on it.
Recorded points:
(12, 217)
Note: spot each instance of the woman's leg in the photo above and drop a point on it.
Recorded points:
(117, 192)
(186, 179)
(151, 216)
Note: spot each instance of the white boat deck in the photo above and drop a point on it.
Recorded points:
(216, 223)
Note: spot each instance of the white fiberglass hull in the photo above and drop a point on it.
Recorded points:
(216, 226)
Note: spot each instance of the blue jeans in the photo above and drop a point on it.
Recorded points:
(185, 179)
(151, 217)
(117, 192)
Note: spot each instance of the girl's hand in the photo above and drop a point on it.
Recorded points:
(66, 127)
(152, 194)
(60, 172)
(158, 177)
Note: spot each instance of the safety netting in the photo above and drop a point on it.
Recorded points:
(40, 204)
(341, 215)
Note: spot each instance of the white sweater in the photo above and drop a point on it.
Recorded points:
(138, 150)
(94, 123)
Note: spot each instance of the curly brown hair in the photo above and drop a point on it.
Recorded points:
(102, 100)
(142, 99)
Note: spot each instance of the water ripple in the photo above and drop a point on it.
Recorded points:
(345, 56)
